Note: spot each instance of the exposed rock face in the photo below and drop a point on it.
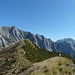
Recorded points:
(3, 43)
(66, 46)
(13, 35)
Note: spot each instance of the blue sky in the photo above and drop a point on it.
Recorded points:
(54, 19)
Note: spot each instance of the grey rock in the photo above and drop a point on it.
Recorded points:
(66, 46)
(3, 43)
(11, 34)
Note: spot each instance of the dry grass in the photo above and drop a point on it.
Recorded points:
(52, 66)
(17, 60)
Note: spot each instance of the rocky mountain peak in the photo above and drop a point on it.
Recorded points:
(14, 35)
(68, 40)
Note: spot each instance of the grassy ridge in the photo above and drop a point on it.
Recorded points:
(52, 66)
(19, 57)
(13, 60)
(35, 54)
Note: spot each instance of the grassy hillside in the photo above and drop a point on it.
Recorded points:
(52, 66)
(13, 60)
(19, 57)
(35, 54)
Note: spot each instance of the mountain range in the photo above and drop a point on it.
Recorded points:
(10, 35)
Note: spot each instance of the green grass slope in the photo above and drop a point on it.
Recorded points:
(35, 54)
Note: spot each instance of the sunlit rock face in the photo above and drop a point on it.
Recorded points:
(11, 34)
(3, 43)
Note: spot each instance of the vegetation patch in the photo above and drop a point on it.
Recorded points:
(23, 56)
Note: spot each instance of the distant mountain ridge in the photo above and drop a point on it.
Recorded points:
(66, 46)
(11, 34)
(68, 40)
